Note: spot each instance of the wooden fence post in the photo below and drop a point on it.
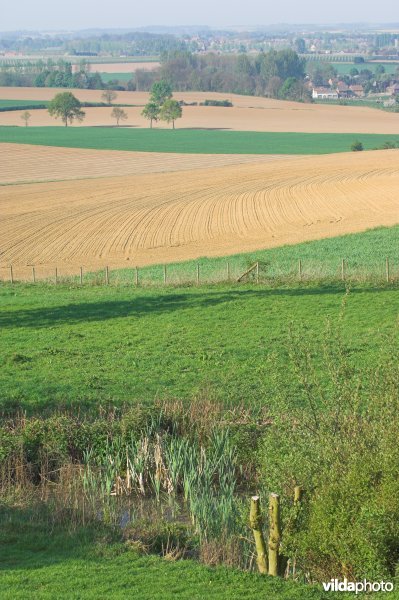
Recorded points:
(106, 275)
(164, 274)
(274, 534)
(81, 275)
(136, 278)
(11, 274)
(387, 269)
(198, 273)
(228, 271)
(33, 275)
(56, 275)
(343, 269)
(255, 523)
(257, 272)
(300, 269)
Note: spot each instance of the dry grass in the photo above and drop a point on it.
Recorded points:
(165, 217)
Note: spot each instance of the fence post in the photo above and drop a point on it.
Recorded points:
(228, 271)
(33, 275)
(343, 269)
(274, 534)
(164, 274)
(387, 269)
(300, 269)
(106, 275)
(81, 275)
(136, 278)
(11, 274)
(56, 275)
(198, 273)
(257, 272)
(255, 523)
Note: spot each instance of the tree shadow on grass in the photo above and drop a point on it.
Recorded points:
(30, 539)
(160, 303)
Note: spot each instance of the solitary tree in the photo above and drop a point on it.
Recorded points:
(151, 112)
(109, 96)
(119, 114)
(25, 117)
(67, 107)
(160, 92)
(170, 111)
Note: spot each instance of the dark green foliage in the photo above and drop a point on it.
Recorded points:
(357, 146)
(216, 103)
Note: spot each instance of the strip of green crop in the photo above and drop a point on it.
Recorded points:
(190, 140)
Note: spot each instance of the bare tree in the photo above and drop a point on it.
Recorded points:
(109, 96)
(119, 114)
(25, 117)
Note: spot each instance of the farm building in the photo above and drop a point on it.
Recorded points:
(393, 89)
(357, 90)
(324, 93)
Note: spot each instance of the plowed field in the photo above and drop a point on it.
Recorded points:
(167, 217)
(248, 113)
(24, 163)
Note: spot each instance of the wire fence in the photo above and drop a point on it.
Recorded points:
(207, 272)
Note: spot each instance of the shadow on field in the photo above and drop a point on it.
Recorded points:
(152, 303)
(29, 539)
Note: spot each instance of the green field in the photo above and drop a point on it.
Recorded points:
(95, 344)
(106, 77)
(46, 562)
(6, 105)
(344, 68)
(364, 255)
(190, 141)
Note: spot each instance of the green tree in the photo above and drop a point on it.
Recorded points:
(25, 117)
(66, 106)
(170, 111)
(151, 112)
(119, 114)
(160, 92)
(109, 96)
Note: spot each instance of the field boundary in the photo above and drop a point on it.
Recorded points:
(384, 270)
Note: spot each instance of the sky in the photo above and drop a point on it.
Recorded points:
(83, 14)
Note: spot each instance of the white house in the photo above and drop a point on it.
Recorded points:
(324, 93)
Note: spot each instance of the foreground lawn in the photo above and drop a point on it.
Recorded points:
(191, 141)
(48, 562)
(95, 345)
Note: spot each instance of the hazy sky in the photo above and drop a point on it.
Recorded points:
(81, 14)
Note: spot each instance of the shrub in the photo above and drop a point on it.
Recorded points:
(357, 146)
(341, 446)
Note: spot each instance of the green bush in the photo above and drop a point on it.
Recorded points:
(357, 146)
(343, 450)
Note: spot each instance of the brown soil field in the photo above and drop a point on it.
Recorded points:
(166, 217)
(123, 67)
(22, 163)
(248, 113)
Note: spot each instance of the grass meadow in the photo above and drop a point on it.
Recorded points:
(91, 345)
(191, 141)
(138, 421)
(92, 563)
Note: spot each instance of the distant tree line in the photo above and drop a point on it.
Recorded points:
(277, 74)
(50, 74)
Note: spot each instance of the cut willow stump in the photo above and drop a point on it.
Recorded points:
(256, 522)
(274, 534)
